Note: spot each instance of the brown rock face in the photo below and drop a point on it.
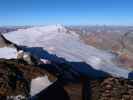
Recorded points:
(107, 89)
(112, 89)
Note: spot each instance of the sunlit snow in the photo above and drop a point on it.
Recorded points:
(38, 84)
(8, 53)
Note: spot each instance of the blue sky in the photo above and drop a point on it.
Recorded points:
(69, 12)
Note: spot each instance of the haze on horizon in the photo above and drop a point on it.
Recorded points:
(68, 12)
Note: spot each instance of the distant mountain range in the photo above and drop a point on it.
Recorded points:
(6, 29)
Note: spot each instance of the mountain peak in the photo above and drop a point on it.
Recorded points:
(51, 28)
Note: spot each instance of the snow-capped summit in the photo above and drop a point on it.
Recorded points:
(39, 34)
(51, 28)
(48, 28)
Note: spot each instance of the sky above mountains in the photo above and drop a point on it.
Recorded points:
(77, 12)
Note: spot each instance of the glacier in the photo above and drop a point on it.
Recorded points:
(58, 44)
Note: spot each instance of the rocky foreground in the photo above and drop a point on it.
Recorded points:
(15, 80)
(108, 89)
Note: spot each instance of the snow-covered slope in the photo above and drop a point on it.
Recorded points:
(37, 35)
(8, 52)
(38, 84)
(59, 42)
